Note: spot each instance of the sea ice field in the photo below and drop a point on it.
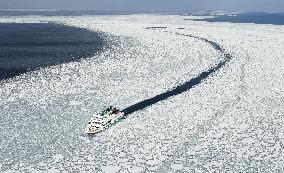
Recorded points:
(210, 99)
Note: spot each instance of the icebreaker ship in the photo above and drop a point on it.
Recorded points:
(100, 122)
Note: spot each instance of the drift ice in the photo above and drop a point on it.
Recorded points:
(100, 122)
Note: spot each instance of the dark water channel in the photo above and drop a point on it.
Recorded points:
(187, 85)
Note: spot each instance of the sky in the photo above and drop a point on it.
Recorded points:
(148, 5)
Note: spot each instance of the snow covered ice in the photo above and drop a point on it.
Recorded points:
(231, 122)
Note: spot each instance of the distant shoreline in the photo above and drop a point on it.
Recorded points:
(82, 12)
(256, 18)
(54, 12)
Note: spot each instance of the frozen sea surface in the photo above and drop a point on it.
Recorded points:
(231, 122)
